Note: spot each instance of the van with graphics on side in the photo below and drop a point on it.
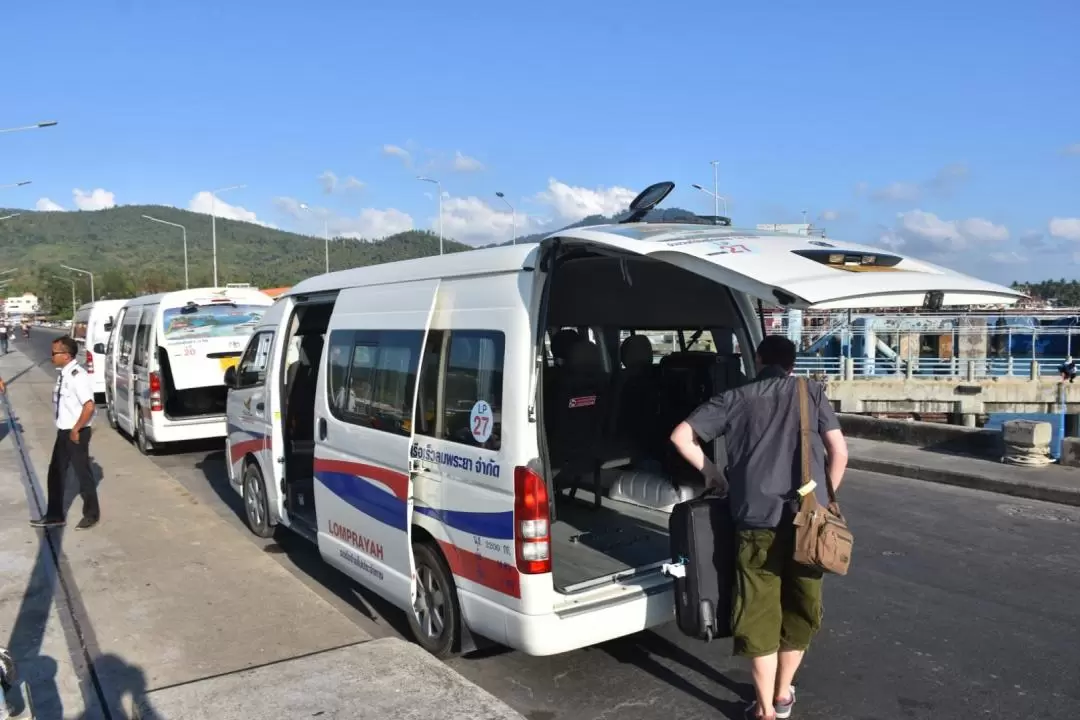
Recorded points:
(481, 437)
(91, 326)
(165, 359)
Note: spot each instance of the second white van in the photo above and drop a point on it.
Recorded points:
(482, 437)
(91, 326)
(165, 359)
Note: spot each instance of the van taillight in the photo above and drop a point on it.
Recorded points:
(155, 392)
(89, 362)
(532, 526)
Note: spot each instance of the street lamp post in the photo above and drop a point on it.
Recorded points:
(61, 277)
(716, 188)
(326, 233)
(184, 230)
(35, 126)
(84, 272)
(16, 184)
(513, 217)
(213, 221)
(439, 186)
(716, 199)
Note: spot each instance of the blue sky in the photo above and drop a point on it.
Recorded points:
(948, 130)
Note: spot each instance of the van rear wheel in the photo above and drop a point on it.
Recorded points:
(256, 507)
(436, 615)
(141, 441)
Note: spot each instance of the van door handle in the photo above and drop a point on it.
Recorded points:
(322, 428)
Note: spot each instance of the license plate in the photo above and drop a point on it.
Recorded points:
(228, 362)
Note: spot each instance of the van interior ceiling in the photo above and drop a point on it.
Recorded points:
(299, 381)
(634, 346)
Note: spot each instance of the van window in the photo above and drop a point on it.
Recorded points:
(127, 341)
(210, 320)
(78, 330)
(252, 369)
(142, 343)
(371, 377)
(472, 383)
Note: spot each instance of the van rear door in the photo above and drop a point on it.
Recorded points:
(791, 270)
(204, 337)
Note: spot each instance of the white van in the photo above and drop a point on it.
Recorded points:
(426, 441)
(92, 324)
(165, 359)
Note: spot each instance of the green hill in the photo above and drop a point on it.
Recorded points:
(130, 255)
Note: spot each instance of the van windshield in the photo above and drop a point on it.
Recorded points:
(211, 320)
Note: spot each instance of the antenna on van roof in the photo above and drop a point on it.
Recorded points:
(647, 199)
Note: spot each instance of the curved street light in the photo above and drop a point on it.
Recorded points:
(84, 272)
(16, 184)
(716, 198)
(35, 126)
(72, 281)
(184, 229)
(438, 184)
(326, 232)
(513, 217)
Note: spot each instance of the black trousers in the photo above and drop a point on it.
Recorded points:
(67, 454)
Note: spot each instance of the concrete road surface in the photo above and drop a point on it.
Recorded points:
(960, 604)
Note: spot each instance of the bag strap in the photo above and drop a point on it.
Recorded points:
(804, 434)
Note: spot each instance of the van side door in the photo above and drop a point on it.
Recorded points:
(109, 361)
(142, 363)
(247, 412)
(125, 380)
(363, 432)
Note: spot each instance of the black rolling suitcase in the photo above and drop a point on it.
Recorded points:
(703, 544)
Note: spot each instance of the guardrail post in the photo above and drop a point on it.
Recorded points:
(1034, 369)
(910, 369)
(971, 371)
(1009, 366)
(849, 368)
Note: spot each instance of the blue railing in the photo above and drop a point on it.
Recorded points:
(883, 368)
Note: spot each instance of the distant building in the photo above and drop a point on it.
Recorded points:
(25, 304)
(804, 229)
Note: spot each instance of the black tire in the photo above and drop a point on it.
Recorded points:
(435, 618)
(109, 414)
(141, 441)
(256, 507)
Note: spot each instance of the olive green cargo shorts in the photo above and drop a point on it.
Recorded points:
(777, 603)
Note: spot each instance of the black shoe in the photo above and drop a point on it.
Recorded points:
(87, 523)
(47, 522)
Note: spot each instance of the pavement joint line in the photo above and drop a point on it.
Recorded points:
(67, 609)
(272, 663)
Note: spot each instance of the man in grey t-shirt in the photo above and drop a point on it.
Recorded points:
(777, 608)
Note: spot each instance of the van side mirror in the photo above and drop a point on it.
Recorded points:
(230, 377)
(99, 348)
(108, 326)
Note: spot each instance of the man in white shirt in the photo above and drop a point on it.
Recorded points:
(73, 409)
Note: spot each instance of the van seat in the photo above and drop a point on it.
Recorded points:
(651, 489)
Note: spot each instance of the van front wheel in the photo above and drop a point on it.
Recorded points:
(256, 508)
(435, 617)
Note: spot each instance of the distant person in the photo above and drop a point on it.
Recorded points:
(73, 410)
(779, 600)
(3, 338)
(1068, 369)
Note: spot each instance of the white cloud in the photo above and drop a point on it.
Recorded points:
(897, 192)
(943, 183)
(1008, 258)
(471, 220)
(1065, 228)
(398, 152)
(1073, 149)
(46, 205)
(97, 199)
(918, 228)
(351, 183)
(371, 224)
(328, 180)
(464, 163)
(203, 202)
(574, 203)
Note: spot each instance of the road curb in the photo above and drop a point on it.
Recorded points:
(1016, 488)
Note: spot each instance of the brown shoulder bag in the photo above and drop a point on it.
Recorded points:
(822, 538)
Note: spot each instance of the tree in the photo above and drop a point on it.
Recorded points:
(117, 284)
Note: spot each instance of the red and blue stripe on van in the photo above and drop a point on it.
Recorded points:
(382, 494)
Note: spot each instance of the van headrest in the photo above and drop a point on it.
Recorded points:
(585, 356)
(562, 342)
(636, 352)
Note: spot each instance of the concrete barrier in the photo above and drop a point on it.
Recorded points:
(1070, 452)
(935, 436)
